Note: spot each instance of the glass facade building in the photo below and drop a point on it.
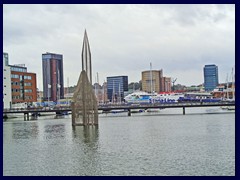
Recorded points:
(116, 85)
(210, 77)
(52, 68)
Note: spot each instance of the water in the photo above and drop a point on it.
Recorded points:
(143, 144)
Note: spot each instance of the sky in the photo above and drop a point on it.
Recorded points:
(124, 39)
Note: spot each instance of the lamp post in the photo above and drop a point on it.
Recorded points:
(58, 91)
(49, 86)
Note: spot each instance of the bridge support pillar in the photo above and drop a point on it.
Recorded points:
(26, 118)
(183, 110)
(129, 112)
(5, 116)
(73, 113)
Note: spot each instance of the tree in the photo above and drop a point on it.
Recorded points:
(134, 86)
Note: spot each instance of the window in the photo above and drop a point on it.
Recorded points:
(13, 83)
(28, 84)
(27, 77)
(16, 97)
(28, 97)
(28, 90)
(14, 76)
(15, 90)
(18, 69)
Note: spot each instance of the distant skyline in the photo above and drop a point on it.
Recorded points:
(124, 39)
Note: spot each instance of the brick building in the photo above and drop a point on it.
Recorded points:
(23, 83)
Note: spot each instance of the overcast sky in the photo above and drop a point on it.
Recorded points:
(124, 39)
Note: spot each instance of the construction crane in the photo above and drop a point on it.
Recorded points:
(173, 81)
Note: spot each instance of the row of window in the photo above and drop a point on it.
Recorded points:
(28, 90)
(17, 76)
(14, 76)
(28, 84)
(18, 83)
(27, 77)
(15, 83)
(25, 90)
(18, 69)
(18, 97)
(28, 97)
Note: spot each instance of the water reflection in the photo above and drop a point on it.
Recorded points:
(88, 134)
(60, 116)
(54, 131)
(25, 130)
(86, 138)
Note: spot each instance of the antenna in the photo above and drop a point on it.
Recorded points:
(151, 77)
(233, 86)
(227, 87)
(68, 89)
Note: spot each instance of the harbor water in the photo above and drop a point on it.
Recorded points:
(165, 143)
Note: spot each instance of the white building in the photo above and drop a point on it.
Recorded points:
(7, 89)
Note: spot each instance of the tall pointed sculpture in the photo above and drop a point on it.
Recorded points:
(86, 57)
(84, 105)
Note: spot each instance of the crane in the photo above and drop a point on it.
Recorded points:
(173, 81)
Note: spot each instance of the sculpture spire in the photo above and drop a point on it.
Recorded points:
(86, 57)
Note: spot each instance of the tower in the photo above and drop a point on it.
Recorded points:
(52, 68)
(210, 77)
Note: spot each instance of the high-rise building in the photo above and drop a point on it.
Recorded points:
(116, 85)
(23, 83)
(7, 93)
(167, 84)
(52, 67)
(151, 81)
(210, 77)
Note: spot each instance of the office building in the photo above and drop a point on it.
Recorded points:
(23, 84)
(7, 93)
(166, 84)
(151, 81)
(52, 68)
(210, 77)
(116, 85)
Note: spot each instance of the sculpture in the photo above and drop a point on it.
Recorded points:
(84, 105)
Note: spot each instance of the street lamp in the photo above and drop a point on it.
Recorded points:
(58, 91)
(49, 86)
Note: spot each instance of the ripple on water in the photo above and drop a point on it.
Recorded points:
(137, 145)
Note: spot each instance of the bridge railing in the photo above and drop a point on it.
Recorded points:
(123, 105)
(35, 109)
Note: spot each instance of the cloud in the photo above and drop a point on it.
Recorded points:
(124, 39)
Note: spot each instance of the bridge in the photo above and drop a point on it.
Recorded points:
(126, 107)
